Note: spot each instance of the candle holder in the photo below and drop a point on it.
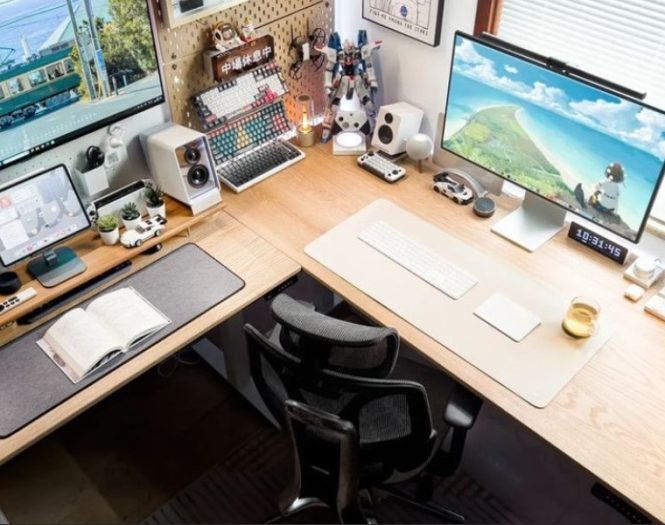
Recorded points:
(304, 129)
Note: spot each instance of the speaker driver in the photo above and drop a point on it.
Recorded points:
(198, 176)
(386, 134)
(192, 156)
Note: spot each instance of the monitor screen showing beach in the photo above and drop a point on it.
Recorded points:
(592, 152)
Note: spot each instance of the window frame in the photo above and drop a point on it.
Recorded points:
(488, 15)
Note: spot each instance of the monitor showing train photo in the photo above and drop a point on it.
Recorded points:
(70, 66)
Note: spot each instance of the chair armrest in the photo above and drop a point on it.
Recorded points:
(462, 408)
(460, 414)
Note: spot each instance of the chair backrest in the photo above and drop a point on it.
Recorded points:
(392, 417)
(326, 460)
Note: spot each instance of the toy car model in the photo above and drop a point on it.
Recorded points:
(455, 191)
(145, 231)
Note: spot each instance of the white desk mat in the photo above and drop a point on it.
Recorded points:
(535, 369)
(183, 285)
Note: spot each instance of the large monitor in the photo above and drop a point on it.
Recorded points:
(36, 214)
(69, 67)
(572, 145)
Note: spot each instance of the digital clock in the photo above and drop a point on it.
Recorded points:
(598, 243)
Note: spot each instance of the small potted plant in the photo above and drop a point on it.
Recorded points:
(108, 229)
(131, 216)
(154, 200)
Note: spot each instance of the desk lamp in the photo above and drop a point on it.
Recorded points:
(304, 129)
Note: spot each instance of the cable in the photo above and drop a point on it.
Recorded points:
(169, 367)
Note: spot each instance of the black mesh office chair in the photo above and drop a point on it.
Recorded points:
(341, 368)
(326, 462)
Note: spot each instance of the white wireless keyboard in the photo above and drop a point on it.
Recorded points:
(418, 259)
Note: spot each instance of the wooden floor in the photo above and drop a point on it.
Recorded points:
(130, 454)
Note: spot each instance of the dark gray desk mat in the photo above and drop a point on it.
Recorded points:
(183, 285)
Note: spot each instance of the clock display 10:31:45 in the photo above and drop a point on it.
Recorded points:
(598, 243)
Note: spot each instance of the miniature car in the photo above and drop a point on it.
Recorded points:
(146, 230)
(455, 191)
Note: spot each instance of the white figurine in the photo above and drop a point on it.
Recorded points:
(225, 37)
(350, 70)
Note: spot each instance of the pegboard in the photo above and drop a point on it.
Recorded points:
(181, 50)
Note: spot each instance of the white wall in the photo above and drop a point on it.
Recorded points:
(408, 70)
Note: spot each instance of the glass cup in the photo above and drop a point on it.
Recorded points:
(581, 319)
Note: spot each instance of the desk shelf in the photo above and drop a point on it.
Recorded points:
(100, 258)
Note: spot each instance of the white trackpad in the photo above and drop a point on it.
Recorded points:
(508, 317)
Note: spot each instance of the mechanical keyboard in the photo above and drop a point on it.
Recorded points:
(418, 259)
(258, 164)
(236, 97)
(248, 132)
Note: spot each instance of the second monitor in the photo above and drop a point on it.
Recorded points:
(36, 214)
(572, 145)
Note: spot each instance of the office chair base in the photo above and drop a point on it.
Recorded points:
(448, 516)
(353, 514)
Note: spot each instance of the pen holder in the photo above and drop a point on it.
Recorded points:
(92, 182)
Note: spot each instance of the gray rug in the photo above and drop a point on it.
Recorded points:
(246, 488)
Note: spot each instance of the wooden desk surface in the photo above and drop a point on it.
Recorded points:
(610, 419)
(260, 265)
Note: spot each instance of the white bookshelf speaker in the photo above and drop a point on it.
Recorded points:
(182, 165)
(396, 124)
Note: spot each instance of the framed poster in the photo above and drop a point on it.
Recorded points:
(419, 19)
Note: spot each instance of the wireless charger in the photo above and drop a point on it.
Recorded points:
(349, 143)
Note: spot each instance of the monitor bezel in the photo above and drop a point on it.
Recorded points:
(64, 239)
(38, 149)
(477, 40)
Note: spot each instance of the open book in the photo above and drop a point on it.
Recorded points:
(83, 340)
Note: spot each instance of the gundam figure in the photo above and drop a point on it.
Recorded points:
(349, 70)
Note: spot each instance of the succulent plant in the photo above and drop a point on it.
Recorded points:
(130, 211)
(107, 223)
(154, 196)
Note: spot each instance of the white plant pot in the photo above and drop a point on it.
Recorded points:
(131, 225)
(159, 210)
(110, 238)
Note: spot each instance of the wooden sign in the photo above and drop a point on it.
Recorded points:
(223, 65)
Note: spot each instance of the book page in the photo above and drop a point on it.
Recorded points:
(81, 341)
(128, 314)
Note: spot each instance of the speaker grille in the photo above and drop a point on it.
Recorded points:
(198, 176)
(386, 134)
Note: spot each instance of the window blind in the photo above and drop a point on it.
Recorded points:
(620, 40)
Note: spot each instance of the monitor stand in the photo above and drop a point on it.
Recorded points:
(56, 266)
(533, 224)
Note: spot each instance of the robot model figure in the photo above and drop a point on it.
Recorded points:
(349, 70)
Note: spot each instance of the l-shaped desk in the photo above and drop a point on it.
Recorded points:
(610, 419)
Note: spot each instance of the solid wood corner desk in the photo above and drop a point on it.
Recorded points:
(610, 419)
